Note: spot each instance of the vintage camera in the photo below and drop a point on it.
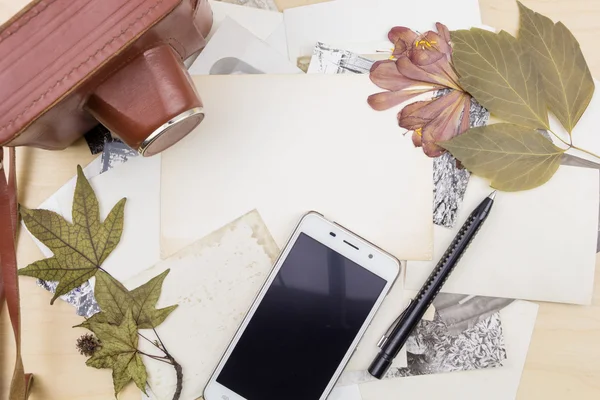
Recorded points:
(66, 66)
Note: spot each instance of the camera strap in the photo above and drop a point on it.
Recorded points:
(9, 283)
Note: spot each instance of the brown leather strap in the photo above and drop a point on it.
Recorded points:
(12, 189)
(9, 283)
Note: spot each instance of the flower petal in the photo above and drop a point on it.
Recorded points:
(420, 113)
(416, 139)
(386, 100)
(432, 150)
(385, 75)
(403, 39)
(429, 48)
(424, 56)
(442, 45)
(433, 73)
(443, 31)
(443, 68)
(465, 122)
(443, 127)
(411, 118)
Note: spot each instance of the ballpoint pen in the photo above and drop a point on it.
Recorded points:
(391, 343)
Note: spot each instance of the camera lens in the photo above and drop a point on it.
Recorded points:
(370, 255)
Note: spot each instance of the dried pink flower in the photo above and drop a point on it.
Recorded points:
(422, 64)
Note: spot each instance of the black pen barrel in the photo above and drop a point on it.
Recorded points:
(380, 365)
(396, 340)
(421, 303)
(450, 259)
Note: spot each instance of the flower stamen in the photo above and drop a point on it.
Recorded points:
(425, 43)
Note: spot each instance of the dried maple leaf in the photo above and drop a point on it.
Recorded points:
(80, 247)
(422, 65)
(115, 300)
(119, 352)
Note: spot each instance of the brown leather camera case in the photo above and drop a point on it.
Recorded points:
(66, 65)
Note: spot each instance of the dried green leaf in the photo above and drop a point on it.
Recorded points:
(513, 157)
(79, 248)
(129, 367)
(119, 351)
(501, 76)
(115, 300)
(99, 318)
(102, 362)
(568, 83)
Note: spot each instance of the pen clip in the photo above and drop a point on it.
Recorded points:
(387, 334)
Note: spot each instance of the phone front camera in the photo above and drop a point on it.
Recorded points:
(370, 255)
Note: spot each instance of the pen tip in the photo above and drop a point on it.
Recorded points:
(493, 195)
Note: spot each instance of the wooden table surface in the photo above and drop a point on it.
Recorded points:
(564, 357)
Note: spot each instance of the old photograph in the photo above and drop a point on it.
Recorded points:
(465, 334)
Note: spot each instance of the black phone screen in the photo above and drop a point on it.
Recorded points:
(303, 327)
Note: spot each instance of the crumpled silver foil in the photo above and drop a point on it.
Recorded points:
(82, 298)
(116, 153)
(449, 186)
(450, 182)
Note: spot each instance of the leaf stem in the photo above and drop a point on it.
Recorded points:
(559, 138)
(179, 375)
(151, 342)
(586, 151)
(176, 365)
(160, 341)
(157, 358)
(571, 146)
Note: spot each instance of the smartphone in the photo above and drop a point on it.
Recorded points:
(308, 317)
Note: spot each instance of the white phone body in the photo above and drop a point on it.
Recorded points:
(348, 245)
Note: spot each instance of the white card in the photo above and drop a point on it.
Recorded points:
(345, 393)
(288, 144)
(235, 50)
(538, 244)
(278, 41)
(355, 21)
(518, 321)
(214, 281)
(52, 203)
(261, 23)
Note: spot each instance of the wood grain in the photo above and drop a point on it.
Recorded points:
(564, 358)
